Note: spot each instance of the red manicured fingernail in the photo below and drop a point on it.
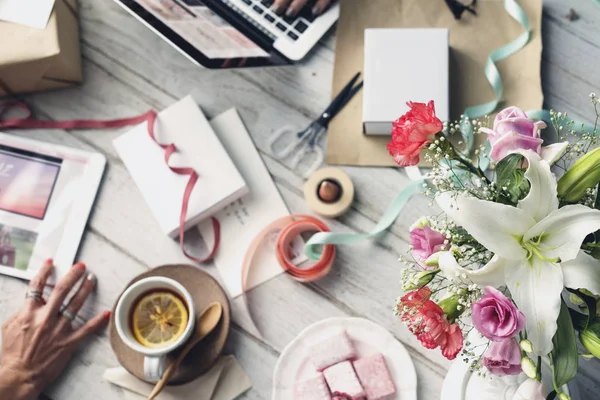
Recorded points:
(49, 261)
(80, 265)
(107, 314)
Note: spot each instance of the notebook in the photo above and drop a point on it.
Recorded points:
(219, 181)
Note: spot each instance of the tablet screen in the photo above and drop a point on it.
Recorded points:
(27, 180)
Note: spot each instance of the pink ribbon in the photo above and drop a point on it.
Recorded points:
(28, 122)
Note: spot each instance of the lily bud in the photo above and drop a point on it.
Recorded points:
(528, 367)
(591, 342)
(583, 175)
(420, 280)
(433, 260)
(420, 223)
(526, 346)
(451, 307)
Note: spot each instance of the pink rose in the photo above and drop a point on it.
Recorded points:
(496, 317)
(425, 242)
(503, 358)
(512, 131)
(412, 131)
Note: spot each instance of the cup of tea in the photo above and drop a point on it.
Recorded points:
(155, 316)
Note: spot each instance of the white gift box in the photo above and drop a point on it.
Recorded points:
(403, 65)
(219, 182)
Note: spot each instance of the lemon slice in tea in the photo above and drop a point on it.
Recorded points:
(159, 319)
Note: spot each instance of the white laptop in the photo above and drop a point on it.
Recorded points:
(233, 33)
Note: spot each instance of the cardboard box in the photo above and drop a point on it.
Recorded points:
(41, 59)
(403, 65)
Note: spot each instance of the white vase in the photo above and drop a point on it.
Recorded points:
(462, 384)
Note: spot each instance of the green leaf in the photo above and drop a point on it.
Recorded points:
(511, 176)
(564, 357)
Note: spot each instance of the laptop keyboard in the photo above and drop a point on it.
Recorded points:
(291, 27)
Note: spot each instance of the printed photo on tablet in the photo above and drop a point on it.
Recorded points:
(46, 194)
(26, 181)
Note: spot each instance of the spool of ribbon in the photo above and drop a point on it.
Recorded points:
(28, 122)
(288, 229)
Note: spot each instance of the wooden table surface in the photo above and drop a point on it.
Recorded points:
(129, 70)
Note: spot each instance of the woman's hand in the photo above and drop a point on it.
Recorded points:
(38, 341)
(293, 7)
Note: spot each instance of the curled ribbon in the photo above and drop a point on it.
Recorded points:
(493, 75)
(28, 122)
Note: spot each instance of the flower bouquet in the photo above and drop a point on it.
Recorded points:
(507, 277)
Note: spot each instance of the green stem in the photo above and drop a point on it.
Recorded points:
(473, 169)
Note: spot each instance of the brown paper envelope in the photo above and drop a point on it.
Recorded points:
(471, 40)
(39, 59)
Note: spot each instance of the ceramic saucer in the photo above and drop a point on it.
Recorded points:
(204, 289)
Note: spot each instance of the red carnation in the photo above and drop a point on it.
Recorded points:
(426, 320)
(412, 131)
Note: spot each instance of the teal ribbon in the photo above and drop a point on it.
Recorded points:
(493, 75)
(491, 71)
(312, 247)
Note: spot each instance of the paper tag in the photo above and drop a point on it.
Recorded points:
(33, 13)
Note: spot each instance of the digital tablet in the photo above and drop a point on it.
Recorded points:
(46, 194)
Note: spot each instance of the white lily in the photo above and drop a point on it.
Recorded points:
(536, 248)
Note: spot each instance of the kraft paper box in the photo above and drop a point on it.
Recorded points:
(40, 59)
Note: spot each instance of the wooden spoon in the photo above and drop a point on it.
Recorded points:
(207, 322)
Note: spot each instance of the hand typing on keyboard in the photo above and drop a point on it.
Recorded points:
(292, 8)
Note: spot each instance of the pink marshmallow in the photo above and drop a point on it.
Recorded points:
(313, 388)
(374, 377)
(330, 349)
(343, 381)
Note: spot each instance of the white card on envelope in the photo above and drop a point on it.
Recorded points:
(242, 220)
(219, 181)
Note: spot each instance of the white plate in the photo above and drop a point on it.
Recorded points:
(368, 338)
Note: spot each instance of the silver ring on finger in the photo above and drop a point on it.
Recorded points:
(68, 314)
(36, 295)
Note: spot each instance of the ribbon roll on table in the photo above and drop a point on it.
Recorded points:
(287, 229)
(329, 192)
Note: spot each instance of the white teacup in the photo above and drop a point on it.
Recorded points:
(155, 359)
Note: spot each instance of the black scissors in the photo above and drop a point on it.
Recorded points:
(304, 142)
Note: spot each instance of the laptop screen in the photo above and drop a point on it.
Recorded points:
(204, 36)
(203, 29)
